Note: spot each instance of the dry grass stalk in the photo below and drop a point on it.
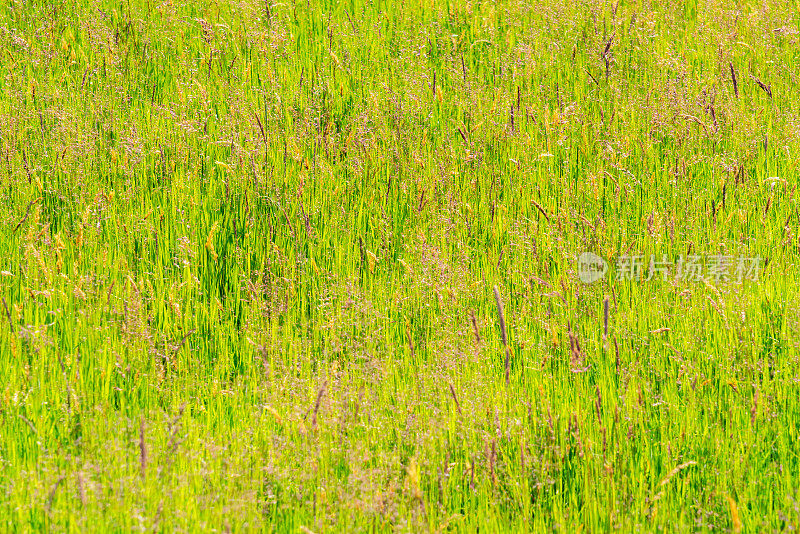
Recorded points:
(8, 314)
(541, 210)
(463, 136)
(501, 315)
(767, 88)
(575, 431)
(472, 474)
(182, 342)
(769, 203)
(599, 405)
(735, 519)
(592, 77)
(81, 488)
(475, 327)
(142, 450)
(455, 399)
(733, 78)
(320, 394)
(492, 461)
(577, 358)
(174, 441)
(52, 494)
(669, 477)
(30, 425)
(27, 213)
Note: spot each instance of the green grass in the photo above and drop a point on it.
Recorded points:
(249, 254)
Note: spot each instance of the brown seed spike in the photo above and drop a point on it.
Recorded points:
(501, 315)
(320, 394)
(455, 398)
(475, 326)
(142, 450)
(767, 88)
(503, 333)
(733, 78)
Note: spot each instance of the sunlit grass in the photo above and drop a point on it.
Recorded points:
(249, 254)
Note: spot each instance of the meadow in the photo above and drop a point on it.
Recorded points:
(312, 266)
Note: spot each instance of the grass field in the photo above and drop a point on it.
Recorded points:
(313, 266)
